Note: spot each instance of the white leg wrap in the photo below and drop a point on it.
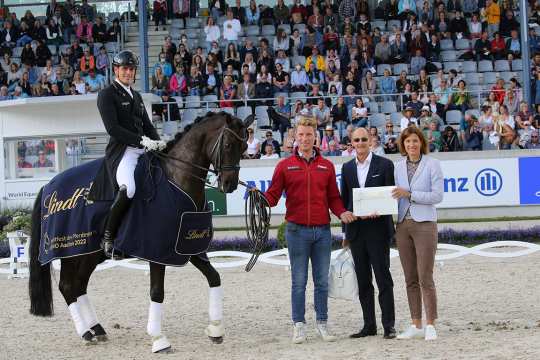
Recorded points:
(215, 303)
(154, 319)
(88, 312)
(80, 324)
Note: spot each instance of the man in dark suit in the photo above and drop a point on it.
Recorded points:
(131, 133)
(369, 237)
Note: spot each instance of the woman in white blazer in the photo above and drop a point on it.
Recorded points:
(419, 186)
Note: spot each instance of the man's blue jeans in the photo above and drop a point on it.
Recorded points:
(309, 243)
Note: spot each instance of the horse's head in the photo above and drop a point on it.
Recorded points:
(227, 151)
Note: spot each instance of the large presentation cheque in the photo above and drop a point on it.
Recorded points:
(371, 200)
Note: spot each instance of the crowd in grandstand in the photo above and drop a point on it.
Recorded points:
(61, 53)
(342, 60)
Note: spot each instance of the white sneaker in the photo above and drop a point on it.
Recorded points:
(322, 329)
(411, 333)
(431, 333)
(299, 333)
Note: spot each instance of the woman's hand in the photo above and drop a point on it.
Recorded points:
(400, 192)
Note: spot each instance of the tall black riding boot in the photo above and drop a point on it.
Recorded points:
(118, 210)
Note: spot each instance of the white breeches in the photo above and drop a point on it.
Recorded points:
(126, 169)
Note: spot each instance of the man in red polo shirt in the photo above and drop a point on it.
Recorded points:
(309, 180)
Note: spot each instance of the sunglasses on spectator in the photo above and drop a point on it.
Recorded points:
(362, 139)
(389, 126)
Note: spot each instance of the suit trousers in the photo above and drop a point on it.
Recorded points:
(371, 253)
(417, 244)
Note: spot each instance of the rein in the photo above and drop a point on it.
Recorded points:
(257, 211)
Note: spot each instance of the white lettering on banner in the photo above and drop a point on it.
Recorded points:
(467, 183)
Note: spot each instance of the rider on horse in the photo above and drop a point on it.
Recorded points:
(131, 133)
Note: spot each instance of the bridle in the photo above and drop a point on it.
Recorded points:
(215, 158)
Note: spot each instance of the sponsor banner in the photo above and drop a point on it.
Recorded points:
(22, 193)
(529, 181)
(467, 183)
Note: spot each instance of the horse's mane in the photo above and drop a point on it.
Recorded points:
(199, 120)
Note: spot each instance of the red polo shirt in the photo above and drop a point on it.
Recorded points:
(310, 188)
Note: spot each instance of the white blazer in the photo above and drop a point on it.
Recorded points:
(426, 187)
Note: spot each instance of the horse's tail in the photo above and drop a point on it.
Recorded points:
(39, 286)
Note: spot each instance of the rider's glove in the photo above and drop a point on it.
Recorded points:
(153, 145)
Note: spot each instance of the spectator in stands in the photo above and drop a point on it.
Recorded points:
(49, 71)
(253, 15)
(482, 47)
(296, 44)
(340, 115)
(359, 113)
(253, 150)
(55, 90)
(449, 140)
(508, 23)
(76, 50)
(321, 113)
(211, 80)
(84, 30)
(42, 87)
(25, 35)
(54, 33)
(493, 16)
(415, 104)
(269, 152)
(270, 140)
(533, 143)
(433, 136)
(387, 86)
(280, 79)
(28, 57)
(280, 116)
(78, 83)
(227, 92)
(167, 110)
(506, 128)
(499, 91)
(87, 10)
(459, 28)
(42, 54)
(212, 32)
(347, 9)
(9, 35)
(406, 7)
(231, 28)
(329, 138)
(473, 136)
(408, 119)
(160, 13)
(42, 160)
(475, 26)
(178, 82)
(382, 51)
(102, 61)
(418, 62)
(87, 63)
(349, 151)
(4, 94)
(511, 102)
(443, 94)
(114, 32)
(281, 13)
(99, 30)
(398, 50)
(298, 12)
(498, 47)
(513, 46)
(246, 89)
(67, 70)
(402, 82)
(460, 98)
(434, 48)
(283, 60)
(375, 145)
(299, 79)
(94, 82)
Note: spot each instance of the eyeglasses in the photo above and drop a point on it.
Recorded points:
(389, 126)
(362, 139)
(268, 135)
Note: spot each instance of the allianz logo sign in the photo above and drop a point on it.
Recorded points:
(487, 182)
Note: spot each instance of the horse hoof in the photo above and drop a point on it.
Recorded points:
(89, 338)
(216, 340)
(160, 344)
(99, 333)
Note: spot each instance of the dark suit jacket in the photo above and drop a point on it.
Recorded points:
(380, 173)
(126, 121)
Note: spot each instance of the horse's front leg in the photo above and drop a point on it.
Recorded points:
(155, 313)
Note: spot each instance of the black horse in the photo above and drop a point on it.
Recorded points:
(217, 139)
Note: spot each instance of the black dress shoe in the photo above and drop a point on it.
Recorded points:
(390, 333)
(363, 333)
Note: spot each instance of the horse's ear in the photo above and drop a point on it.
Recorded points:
(249, 120)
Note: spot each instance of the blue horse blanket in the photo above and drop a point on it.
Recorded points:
(162, 225)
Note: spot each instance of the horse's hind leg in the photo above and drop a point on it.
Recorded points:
(86, 268)
(155, 312)
(214, 330)
(71, 288)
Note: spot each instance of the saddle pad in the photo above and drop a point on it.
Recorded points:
(195, 232)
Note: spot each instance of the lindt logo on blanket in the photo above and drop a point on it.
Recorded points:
(53, 205)
(198, 234)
